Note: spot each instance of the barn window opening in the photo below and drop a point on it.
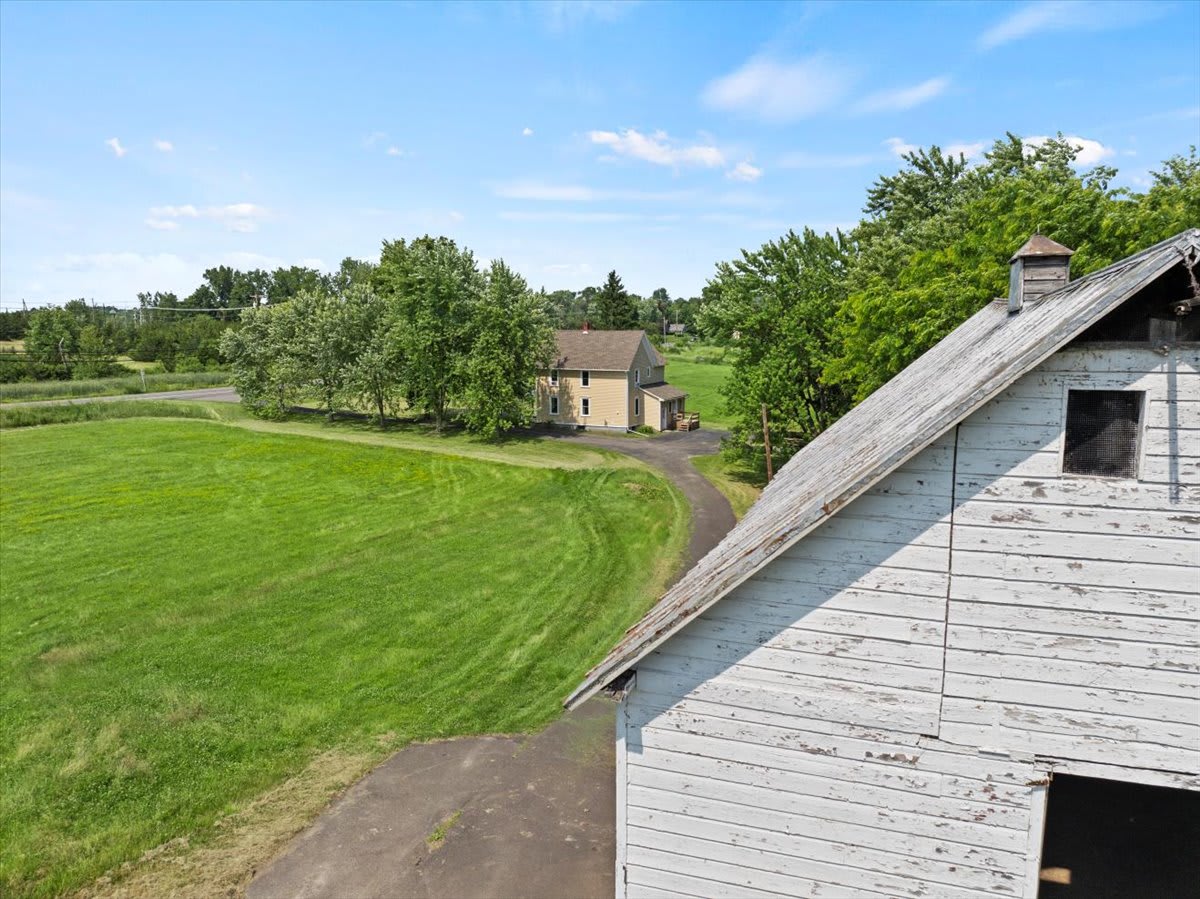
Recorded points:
(1102, 432)
(553, 405)
(1107, 839)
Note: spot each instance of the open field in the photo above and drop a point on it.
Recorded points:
(703, 383)
(27, 391)
(196, 612)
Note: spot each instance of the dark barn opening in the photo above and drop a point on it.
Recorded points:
(1108, 838)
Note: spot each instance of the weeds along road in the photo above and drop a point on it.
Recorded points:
(209, 394)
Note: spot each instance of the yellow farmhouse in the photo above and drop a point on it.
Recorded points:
(609, 380)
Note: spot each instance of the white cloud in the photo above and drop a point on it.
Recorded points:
(375, 137)
(163, 146)
(394, 151)
(115, 145)
(969, 150)
(657, 148)
(803, 160)
(744, 171)
(526, 132)
(1089, 152)
(780, 91)
(899, 146)
(902, 98)
(563, 15)
(238, 217)
(162, 224)
(1068, 15)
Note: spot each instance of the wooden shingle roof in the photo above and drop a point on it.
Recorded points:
(602, 350)
(968, 368)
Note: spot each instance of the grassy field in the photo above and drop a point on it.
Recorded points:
(703, 383)
(31, 391)
(199, 615)
(740, 485)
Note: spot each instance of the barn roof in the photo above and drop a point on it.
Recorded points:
(602, 350)
(966, 369)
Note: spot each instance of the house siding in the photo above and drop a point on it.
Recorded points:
(876, 711)
(606, 390)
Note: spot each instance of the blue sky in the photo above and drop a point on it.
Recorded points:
(142, 143)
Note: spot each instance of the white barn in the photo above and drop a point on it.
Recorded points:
(954, 649)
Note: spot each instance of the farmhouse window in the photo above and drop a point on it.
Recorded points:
(554, 377)
(585, 406)
(637, 376)
(637, 406)
(1102, 432)
(585, 378)
(553, 405)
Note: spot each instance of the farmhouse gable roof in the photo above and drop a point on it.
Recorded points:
(602, 350)
(965, 370)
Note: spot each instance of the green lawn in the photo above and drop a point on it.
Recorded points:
(703, 383)
(739, 485)
(194, 611)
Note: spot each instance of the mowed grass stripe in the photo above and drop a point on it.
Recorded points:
(192, 612)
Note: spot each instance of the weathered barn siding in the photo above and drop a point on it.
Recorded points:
(978, 609)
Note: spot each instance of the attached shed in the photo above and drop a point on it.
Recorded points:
(954, 649)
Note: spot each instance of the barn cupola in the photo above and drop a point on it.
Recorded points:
(1039, 267)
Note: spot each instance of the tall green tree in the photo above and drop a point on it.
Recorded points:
(52, 337)
(782, 299)
(376, 372)
(433, 285)
(614, 308)
(513, 339)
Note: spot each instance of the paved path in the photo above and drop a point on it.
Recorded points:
(537, 812)
(211, 394)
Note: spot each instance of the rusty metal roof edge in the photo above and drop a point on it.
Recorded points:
(727, 574)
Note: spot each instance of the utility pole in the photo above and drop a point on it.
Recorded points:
(767, 441)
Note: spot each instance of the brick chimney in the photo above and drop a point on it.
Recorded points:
(1039, 267)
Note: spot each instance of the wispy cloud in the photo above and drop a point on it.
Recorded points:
(395, 151)
(1089, 152)
(657, 148)
(902, 98)
(744, 171)
(1068, 15)
(163, 146)
(970, 150)
(239, 217)
(564, 15)
(115, 145)
(526, 132)
(780, 91)
(899, 146)
(370, 141)
(582, 218)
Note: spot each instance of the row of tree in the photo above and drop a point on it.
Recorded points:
(426, 330)
(611, 307)
(823, 320)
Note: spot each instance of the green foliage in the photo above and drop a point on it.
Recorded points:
(52, 337)
(937, 249)
(512, 340)
(96, 358)
(782, 299)
(175, 644)
(31, 391)
(613, 308)
(433, 287)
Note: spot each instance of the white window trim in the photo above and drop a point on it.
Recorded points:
(554, 377)
(585, 407)
(554, 405)
(585, 378)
